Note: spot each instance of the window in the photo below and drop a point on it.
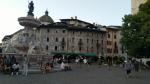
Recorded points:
(63, 47)
(87, 49)
(64, 31)
(108, 42)
(92, 49)
(92, 41)
(101, 35)
(72, 49)
(80, 39)
(97, 41)
(56, 31)
(80, 43)
(56, 39)
(114, 36)
(63, 39)
(47, 47)
(63, 42)
(109, 50)
(47, 39)
(87, 40)
(55, 48)
(47, 30)
(80, 48)
(72, 40)
(108, 35)
(116, 50)
(115, 44)
(80, 32)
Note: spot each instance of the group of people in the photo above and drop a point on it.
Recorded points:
(64, 63)
(46, 67)
(130, 66)
(65, 66)
(82, 60)
(9, 65)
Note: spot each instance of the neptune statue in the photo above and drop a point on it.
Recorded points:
(31, 8)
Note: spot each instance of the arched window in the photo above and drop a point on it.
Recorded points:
(56, 39)
(47, 39)
(47, 47)
(47, 30)
(55, 48)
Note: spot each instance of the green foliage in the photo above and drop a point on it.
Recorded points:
(118, 60)
(136, 32)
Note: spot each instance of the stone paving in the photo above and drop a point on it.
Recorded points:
(83, 75)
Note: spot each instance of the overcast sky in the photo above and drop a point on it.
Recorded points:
(104, 12)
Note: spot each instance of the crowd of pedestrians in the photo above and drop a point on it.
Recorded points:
(9, 65)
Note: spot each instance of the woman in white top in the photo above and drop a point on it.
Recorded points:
(15, 68)
(85, 61)
(62, 66)
(77, 60)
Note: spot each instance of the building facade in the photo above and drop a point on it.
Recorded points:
(135, 5)
(44, 36)
(113, 45)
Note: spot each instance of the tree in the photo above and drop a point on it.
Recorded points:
(136, 32)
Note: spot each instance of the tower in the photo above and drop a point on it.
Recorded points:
(135, 5)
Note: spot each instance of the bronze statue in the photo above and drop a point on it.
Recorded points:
(31, 8)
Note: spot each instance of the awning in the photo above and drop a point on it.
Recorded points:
(90, 54)
(78, 54)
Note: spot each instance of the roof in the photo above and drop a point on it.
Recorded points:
(10, 36)
(62, 20)
(7, 37)
(46, 18)
(65, 26)
(113, 27)
(89, 24)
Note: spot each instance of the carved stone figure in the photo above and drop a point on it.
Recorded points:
(31, 8)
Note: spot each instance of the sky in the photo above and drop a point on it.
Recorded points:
(104, 12)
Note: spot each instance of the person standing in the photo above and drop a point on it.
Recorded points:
(1, 63)
(128, 67)
(77, 60)
(12, 60)
(62, 66)
(25, 65)
(85, 61)
(15, 68)
(136, 67)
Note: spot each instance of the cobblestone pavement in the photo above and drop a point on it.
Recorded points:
(84, 75)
